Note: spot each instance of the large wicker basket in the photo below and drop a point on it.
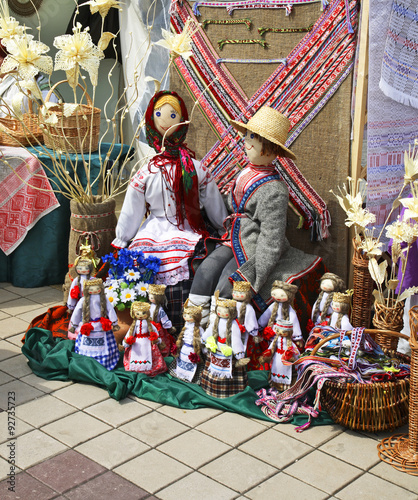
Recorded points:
(20, 133)
(363, 287)
(371, 407)
(77, 133)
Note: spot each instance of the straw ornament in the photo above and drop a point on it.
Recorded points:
(156, 289)
(139, 306)
(92, 282)
(192, 310)
(242, 286)
(342, 298)
(270, 124)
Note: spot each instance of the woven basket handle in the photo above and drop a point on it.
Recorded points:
(51, 90)
(370, 332)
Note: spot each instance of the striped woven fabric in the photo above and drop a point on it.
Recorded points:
(299, 88)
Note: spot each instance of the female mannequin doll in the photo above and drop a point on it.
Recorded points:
(95, 320)
(224, 374)
(159, 318)
(330, 283)
(188, 363)
(141, 350)
(340, 306)
(174, 187)
(246, 317)
(84, 269)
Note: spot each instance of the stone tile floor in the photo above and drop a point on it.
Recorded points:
(73, 442)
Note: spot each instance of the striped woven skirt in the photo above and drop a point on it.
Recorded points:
(224, 387)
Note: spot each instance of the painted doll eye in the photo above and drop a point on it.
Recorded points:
(173, 115)
(251, 136)
(158, 113)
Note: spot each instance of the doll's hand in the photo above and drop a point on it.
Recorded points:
(242, 362)
(300, 345)
(172, 330)
(116, 328)
(71, 329)
(257, 339)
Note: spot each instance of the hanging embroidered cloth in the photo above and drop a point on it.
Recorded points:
(298, 88)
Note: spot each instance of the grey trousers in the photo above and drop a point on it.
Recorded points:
(213, 273)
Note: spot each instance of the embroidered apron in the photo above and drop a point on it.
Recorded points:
(185, 368)
(95, 344)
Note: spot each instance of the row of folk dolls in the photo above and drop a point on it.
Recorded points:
(214, 357)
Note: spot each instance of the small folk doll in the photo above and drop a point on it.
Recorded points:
(95, 320)
(283, 295)
(187, 364)
(340, 306)
(330, 283)
(141, 343)
(281, 349)
(159, 318)
(246, 317)
(224, 374)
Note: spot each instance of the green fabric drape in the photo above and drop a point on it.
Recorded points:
(55, 359)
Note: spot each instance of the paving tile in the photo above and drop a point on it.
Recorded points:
(12, 326)
(386, 471)
(5, 470)
(3, 314)
(75, 429)
(5, 377)
(8, 350)
(28, 316)
(24, 292)
(153, 428)
(288, 487)
(152, 471)
(117, 413)
(45, 385)
(353, 448)
(275, 448)
(368, 486)
(385, 434)
(26, 488)
(195, 486)
(323, 472)
(314, 436)
(6, 296)
(108, 485)
(231, 428)
(189, 417)
(112, 448)
(238, 471)
(17, 366)
(12, 427)
(44, 410)
(194, 448)
(32, 448)
(151, 404)
(16, 340)
(19, 306)
(82, 395)
(65, 471)
(23, 393)
(48, 296)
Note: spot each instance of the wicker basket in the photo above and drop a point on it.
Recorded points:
(77, 133)
(20, 133)
(371, 407)
(363, 287)
(388, 318)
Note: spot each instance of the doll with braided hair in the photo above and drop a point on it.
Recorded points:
(247, 320)
(340, 306)
(159, 318)
(142, 353)
(95, 320)
(283, 295)
(225, 369)
(330, 283)
(187, 364)
(282, 350)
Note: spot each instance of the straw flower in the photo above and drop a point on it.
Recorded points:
(179, 44)
(372, 246)
(351, 198)
(411, 205)
(360, 217)
(102, 6)
(77, 51)
(8, 25)
(411, 164)
(401, 231)
(26, 56)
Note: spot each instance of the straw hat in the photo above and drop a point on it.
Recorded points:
(270, 124)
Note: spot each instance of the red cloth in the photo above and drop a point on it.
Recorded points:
(25, 196)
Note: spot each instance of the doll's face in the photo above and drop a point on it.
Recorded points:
(279, 295)
(94, 290)
(188, 317)
(165, 119)
(141, 314)
(336, 306)
(82, 269)
(240, 296)
(253, 147)
(327, 285)
(222, 312)
(151, 297)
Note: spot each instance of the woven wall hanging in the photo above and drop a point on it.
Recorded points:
(24, 8)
